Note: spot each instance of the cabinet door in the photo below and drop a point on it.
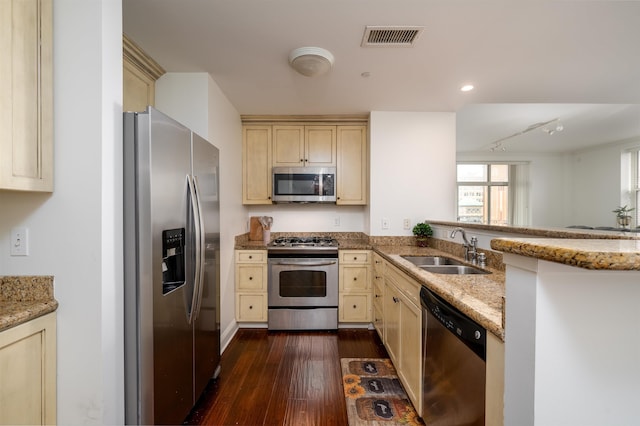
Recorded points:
(320, 146)
(256, 165)
(288, 146)
(28, 372)
(139, 75)
(411, 350)
(392, 322)
(352, 168)
(26, 95)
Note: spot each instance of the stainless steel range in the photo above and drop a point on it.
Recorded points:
(303, 283)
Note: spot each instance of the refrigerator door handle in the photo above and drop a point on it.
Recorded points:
(195, 211)
(200, 256)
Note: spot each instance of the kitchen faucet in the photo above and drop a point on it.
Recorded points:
(470, 248)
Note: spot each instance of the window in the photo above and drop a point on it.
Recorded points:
(635, 184)
(493, 193)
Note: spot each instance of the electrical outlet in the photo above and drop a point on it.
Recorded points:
(19, 242)
(336, 221)
(406, 224)
(385, 223)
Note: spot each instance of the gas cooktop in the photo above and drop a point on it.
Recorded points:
(304, 242)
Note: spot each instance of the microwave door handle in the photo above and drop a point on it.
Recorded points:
(285, 263)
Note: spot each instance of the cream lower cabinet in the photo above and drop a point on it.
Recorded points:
(354, 279)
(28, 372)
(378, 294)
(26, 95)
(403, 330)
(251, 285)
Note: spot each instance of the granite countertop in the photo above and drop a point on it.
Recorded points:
(479, 296)
(617, 255)
(23, 298)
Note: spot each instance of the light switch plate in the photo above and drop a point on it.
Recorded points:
(19, 242)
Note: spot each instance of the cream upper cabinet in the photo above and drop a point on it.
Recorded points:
(352, 169)
(26, 95)
(28, 372)
(139, 75)
(302, 146)
(256, 164)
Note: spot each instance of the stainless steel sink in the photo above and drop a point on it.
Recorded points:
(453, 269)
(431, 260)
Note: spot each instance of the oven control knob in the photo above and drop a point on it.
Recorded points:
(477, 334)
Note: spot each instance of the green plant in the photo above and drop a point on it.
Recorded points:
(623, 211)
(422, 230)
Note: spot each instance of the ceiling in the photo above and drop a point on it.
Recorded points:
(513, 51)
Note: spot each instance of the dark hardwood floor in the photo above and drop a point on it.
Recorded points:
(283, 378)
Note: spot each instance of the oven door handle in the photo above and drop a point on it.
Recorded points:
(284, 263)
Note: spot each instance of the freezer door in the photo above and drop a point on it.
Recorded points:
(205, 161)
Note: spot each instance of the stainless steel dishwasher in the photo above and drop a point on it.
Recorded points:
(453, 356)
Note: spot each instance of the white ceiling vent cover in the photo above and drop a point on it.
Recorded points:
(396, 36)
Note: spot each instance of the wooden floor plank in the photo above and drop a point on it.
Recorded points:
(283, 378)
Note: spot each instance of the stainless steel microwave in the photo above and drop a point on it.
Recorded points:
(304, 185)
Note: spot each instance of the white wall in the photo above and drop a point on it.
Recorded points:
(598, 173)
(413, 169)
(75, 233)
(195, 100)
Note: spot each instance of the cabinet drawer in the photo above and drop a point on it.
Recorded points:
(354, 278)
(355, 307)
(251, 256)
(251, 278)
(251, 307)
(352, 256)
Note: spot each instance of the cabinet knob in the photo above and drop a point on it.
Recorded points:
(250, 257)
(395, 299)
(250, 278)
(355, 278)
(250, 306)
(355, 258)
(377, 295)
(301, 160)
(354, 306)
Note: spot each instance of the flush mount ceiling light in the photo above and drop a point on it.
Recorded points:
(466, 88)
(311, 61)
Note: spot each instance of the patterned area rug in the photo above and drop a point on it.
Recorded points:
(374, 394)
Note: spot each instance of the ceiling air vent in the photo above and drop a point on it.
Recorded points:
(390, 36)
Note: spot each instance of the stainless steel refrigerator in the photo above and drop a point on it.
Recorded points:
(171, 266)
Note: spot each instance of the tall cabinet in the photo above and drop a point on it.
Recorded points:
(26, 95)
(305, 142)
